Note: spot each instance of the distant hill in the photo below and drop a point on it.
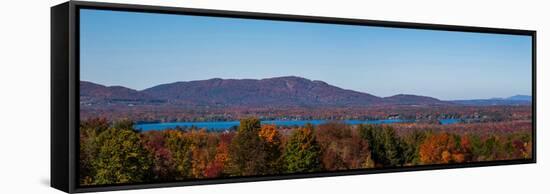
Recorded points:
(407, 99)
(95, 93)
(513, 100)
(287, 91)
(281, 91)
(520, 98)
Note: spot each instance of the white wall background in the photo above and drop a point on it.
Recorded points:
(25, 96)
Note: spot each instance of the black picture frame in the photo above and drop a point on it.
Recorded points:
(65, 87)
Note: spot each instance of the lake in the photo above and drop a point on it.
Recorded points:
(223, 125)
(448, 121)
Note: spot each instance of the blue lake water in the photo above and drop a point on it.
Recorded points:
(448, 121)
(223, 125)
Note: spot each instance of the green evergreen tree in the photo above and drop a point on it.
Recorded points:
(302, 152)
(393, 146)
(247, 153)
(411, 147)
(386, 147)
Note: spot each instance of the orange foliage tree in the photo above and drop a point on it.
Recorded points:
(440, 149)
(217, 166)
(272, 147)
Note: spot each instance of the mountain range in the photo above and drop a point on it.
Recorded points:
(512, 100)
(290, 91)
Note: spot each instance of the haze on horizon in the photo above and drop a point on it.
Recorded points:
(141, 50)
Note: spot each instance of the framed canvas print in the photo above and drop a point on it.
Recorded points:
(147, 96)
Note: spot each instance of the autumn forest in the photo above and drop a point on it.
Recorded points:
(117, 153)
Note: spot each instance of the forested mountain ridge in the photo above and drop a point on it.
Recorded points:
(290, 91)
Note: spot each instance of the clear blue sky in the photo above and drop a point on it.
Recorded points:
(141, 50)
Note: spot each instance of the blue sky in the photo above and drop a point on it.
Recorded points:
(141, 50)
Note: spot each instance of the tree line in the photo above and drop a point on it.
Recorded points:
(116, 153)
